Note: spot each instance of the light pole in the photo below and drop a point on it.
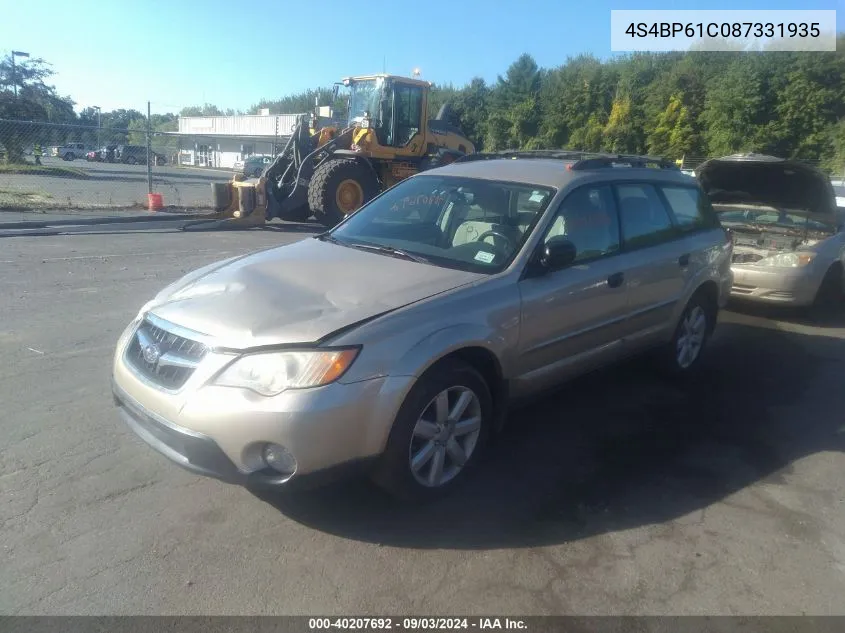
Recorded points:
(97, 108)
(14, 70)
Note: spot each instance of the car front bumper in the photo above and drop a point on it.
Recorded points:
(331, 431)
(783, 286)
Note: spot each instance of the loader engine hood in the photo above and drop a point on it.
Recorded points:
(756, 179)
(297, 293)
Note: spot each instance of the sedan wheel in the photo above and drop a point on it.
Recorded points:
(438, 434)
(445, 436)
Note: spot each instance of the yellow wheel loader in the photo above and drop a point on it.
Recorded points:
(329, 172)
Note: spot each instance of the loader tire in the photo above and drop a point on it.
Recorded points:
(338, 188)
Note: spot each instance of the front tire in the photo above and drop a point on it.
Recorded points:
(438, 435)
(831, 293)
(340, 187)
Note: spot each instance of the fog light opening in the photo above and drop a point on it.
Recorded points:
(279, 459)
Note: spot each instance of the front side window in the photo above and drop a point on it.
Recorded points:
(588, 219)
(645, 220)
(464, 223)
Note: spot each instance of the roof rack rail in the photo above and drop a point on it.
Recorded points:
(535, 153)
(581, 160)
(631, 160)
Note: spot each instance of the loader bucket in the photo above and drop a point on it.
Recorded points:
(240, 200)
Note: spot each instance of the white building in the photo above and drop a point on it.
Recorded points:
(219, 141)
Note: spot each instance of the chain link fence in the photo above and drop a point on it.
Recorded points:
(47, 166)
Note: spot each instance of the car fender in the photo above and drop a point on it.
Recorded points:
(439, 344)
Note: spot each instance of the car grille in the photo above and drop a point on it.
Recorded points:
(169, 360)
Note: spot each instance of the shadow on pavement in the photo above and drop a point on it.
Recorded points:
(808, 316)
(619, 449)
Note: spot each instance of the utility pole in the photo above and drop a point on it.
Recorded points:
(14, 70)
(97, 108)
(149, 151)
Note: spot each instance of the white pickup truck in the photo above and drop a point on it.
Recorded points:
(71, 151)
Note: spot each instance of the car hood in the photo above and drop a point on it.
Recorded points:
(297, 293)
(757, 179)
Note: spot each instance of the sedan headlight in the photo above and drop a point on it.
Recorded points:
(271, 373)
(787, 260)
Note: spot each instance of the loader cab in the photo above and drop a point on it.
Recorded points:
(393, 107)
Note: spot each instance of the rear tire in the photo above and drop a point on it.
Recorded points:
(424, 434)
(340, 187)
(70, 156)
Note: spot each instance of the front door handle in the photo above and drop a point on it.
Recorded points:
(683, 260)
(615, 280)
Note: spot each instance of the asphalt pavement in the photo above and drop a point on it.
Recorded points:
(110, 185)
(621, 494)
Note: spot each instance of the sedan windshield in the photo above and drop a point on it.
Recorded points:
(468, 224)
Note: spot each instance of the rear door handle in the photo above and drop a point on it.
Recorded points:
(683, 260)
(615, 280)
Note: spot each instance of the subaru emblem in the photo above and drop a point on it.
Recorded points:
(151, 353)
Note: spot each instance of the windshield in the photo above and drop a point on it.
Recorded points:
(364, 97)
(468, 224)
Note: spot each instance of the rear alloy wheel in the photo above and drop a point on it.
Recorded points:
(691, 335)
(438, 434)
(340, 187)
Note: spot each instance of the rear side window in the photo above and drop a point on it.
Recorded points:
(645, 220)
(690, 208)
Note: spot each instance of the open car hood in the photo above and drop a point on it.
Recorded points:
(757, 179)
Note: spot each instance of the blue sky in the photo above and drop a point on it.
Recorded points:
(175, 53)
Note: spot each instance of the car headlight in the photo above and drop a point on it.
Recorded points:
(787, 260)
(271, 373)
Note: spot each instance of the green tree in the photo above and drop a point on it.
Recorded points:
(36, 101)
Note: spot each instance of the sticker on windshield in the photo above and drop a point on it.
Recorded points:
(537, 196)
(485, 257)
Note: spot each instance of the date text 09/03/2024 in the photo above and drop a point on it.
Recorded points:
(724, 29)
(414, 624)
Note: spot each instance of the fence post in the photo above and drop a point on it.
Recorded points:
(149, 151)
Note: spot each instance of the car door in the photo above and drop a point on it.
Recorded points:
(659, 260)
(573, 319)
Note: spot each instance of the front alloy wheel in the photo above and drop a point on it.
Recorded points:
(445, 436)
(438, 434)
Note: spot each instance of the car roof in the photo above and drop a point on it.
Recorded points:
(556, 172)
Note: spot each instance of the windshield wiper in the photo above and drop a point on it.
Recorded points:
(328, 237)
(390, 251)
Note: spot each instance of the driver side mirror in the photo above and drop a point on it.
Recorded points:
(557, 253)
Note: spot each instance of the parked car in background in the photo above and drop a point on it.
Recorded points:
(71, 151)
(253, 165)
(137, 155)
(395, 341)
(789, 244)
